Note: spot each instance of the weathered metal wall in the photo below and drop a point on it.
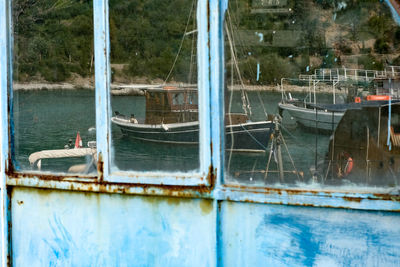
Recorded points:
(276, 235)
(64, 228)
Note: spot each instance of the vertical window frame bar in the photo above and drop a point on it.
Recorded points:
(5, 88)
(217, 86)
(102, 85)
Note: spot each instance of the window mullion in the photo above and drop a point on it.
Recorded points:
(5, 85)
(203, 87)
(102, 82)
(217, 88)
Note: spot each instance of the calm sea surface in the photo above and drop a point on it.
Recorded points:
(48, 119)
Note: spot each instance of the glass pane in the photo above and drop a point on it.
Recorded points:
(154, 85)
(312, 94)
(54, 112)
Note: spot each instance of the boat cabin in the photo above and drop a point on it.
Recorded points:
(171, 105)
(368, 139)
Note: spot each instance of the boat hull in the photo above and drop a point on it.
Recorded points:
(245, 137)
(313, 119)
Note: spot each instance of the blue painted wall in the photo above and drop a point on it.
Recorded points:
(63, 228)
(276, 235)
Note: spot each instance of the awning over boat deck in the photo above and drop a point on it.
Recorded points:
(345, 106)
(61, 153)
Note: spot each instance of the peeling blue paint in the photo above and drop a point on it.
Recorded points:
(274, 235)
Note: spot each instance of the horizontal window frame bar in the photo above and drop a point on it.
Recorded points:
(154, 178)
(367, 201)
(306, 198)
(310, 198)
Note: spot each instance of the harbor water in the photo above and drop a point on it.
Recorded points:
(50, 119)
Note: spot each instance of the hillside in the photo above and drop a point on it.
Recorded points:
(54, 43)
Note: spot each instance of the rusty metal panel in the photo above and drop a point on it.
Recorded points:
(277, 235)
(102, 80)
(5, 81)
(61, 228)
(217, 82)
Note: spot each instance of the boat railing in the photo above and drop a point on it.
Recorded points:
(393, 71)
(357, 75)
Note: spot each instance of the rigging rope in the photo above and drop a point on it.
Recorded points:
(240, 41)
(245, 103)
(181, 44)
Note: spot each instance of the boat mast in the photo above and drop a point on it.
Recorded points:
(245, 98)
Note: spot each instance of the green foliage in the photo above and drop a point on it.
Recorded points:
(272, 69)
(381, 46)
(52, 39)
(370, 62)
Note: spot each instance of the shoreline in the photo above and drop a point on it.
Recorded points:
(119, 89)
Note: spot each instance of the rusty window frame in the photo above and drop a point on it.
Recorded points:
(5, 77)
(328, 197)
(103, 108)
(103, 112)
(216, 188)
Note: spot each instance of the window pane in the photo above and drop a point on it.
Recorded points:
(154, 85)
(312, 92)
(53, 86)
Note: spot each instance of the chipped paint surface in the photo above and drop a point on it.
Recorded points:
(5, 81)
(53, 228)
(87, 229)
(276, 235)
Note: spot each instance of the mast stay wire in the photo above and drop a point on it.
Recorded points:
(181, 44)
(247, 63)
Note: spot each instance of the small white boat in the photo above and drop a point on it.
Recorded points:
(316, 117)
(35, 159)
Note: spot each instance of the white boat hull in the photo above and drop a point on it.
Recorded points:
(313, 118)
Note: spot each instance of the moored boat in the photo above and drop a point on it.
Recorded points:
(172, 117)
(366, 145)
(312, 114)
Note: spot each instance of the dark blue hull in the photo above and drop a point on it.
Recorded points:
(246, 137)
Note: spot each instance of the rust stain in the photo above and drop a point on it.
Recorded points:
(264, 190)
(174, 201)
(353, 199)
(100, 167)
(211, 178)
(46, 177)
(206, 206)
(8, 165)
(152, 200)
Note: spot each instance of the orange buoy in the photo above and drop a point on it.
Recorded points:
(348, 167)
(357, 99)
(378, 97)
(345, 164)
